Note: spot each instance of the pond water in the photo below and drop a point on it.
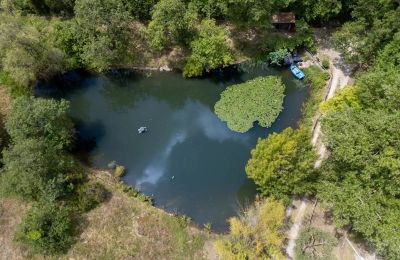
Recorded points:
(189, 161)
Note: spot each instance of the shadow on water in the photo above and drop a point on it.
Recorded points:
(189, 161)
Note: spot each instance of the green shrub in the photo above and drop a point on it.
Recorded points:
(90, 195)
(136, 194)
(325, 61)
(184, 220)
(277, 57)
(316, 79)
(47, 229)
(259, 100)
(257, 234)
(119, 171)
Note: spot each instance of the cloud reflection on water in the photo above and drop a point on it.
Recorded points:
(191, 118)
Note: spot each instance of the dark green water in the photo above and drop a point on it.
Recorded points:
(189, 161)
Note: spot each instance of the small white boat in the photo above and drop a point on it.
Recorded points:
(142, 129)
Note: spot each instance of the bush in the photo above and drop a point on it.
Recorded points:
(119, 171)
(325, 63)
(184, 220)
(277, 57)
(258, 234)
(47, 229)
(259, 100)
(90, 195)
(316, 79)
(136, 194)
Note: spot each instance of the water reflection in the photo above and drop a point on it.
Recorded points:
(153, 172)
(189, 160)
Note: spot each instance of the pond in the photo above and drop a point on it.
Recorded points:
(188, 161)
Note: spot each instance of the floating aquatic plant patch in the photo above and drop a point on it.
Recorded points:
(258, 100)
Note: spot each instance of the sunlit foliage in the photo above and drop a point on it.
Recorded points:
(257, 234)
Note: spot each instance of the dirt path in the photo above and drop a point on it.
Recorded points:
(294, 230)
(340, 75)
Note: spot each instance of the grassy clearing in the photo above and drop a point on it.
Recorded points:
(121, 228)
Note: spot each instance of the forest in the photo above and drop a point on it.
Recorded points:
(359, 181)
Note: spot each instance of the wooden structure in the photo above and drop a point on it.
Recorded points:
(284, 21)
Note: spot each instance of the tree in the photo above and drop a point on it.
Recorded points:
(47, 229)
(168, 24)
(347, 97)
(36, 170)
(314, 243)
(360, 179)
(42, 7)
(103, 32)
(253, 12)
(375, 23)
(390, 55)
(258, 100)
(207, 8)
(282, 164)
(380, 88)
(320, 10)
(40, 118)
(257, 234)
(141, 9)
(26, 54)
(209, 50)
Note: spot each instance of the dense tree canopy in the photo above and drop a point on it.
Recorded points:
(35, 170)
(258, 100)
(40, 118)
(375, 24)
(44, 7)
(102, 31)
(282, 164)
(210, 50)
(361, 177)
(317, 10)
(253, 12)
(168, 24)
(26, 54)
(35, 166)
